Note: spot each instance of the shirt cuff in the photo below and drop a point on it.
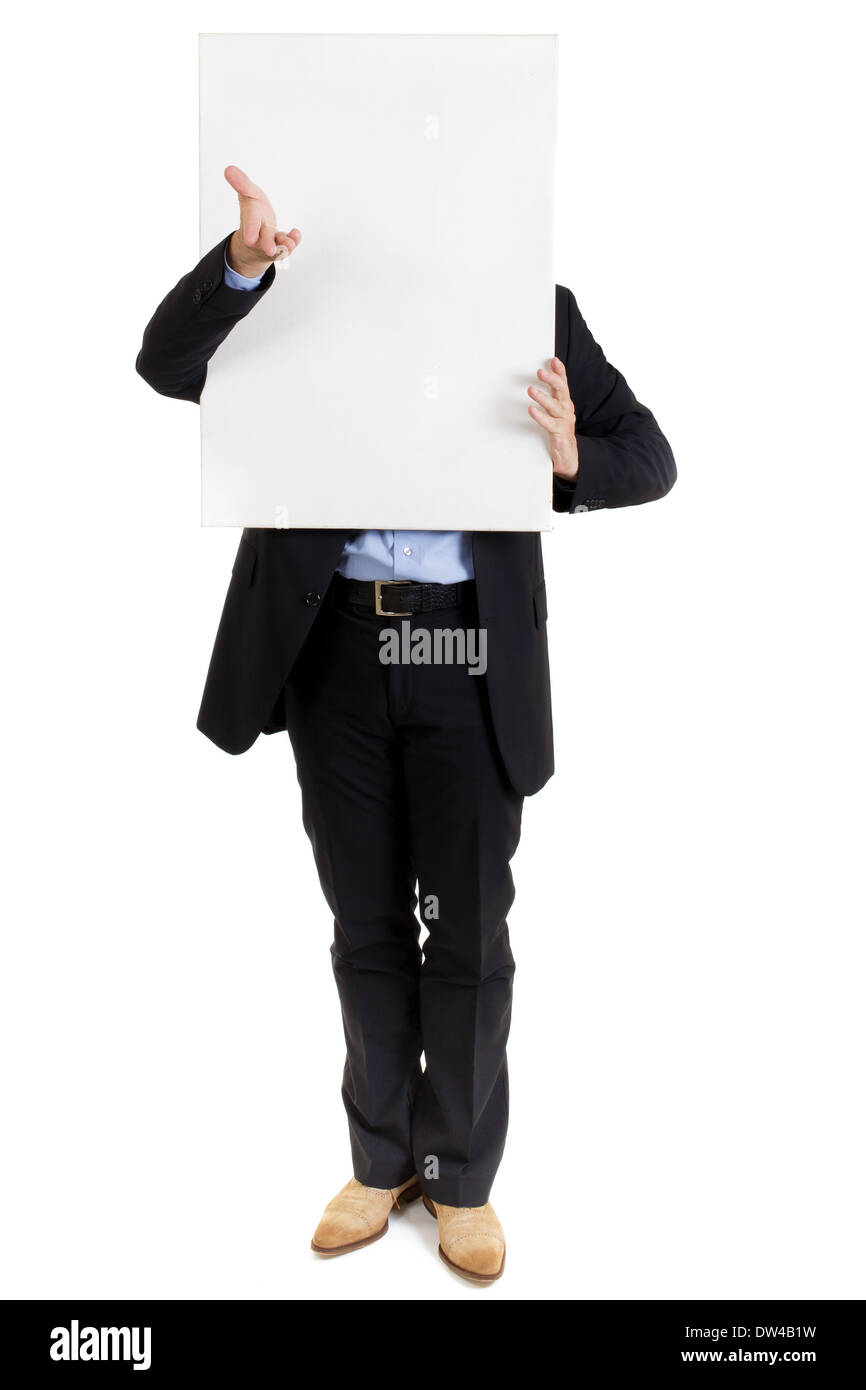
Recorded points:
(239, 282)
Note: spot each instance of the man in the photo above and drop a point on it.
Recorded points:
(412, 775)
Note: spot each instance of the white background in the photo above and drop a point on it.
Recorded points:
(687, 1047)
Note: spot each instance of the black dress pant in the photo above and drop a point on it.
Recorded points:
(407, 804)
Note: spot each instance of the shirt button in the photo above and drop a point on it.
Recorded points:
(312, 600)
(407, 550)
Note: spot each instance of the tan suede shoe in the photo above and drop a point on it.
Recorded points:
(358, 1215)
(471, 1240)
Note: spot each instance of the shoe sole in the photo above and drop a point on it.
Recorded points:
(458, 1269)
(411, 1194)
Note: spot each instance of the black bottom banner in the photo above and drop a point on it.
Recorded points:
(255, 1342)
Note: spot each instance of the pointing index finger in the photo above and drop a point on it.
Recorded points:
(242, 183)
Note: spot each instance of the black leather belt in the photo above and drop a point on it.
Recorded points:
(396, 598)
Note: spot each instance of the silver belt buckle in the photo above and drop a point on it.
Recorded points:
(379, 585)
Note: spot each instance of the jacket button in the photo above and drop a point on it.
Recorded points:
(196, 296)
(207, 284)
(312, 600)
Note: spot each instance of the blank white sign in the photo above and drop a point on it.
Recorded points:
(382, 381)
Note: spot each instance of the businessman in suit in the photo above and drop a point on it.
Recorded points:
(412, 776)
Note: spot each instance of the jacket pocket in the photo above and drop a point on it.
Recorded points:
(244, 566)
(539, 604)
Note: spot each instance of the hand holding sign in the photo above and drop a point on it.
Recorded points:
(554, 411)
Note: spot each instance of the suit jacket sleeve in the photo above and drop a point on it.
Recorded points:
(624, 457)
(190, 324)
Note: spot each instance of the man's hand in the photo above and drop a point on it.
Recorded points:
(257, 243)
(555, 412)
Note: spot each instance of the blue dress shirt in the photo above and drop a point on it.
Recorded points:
(432, 557)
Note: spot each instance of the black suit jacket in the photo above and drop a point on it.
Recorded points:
(280, 576)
